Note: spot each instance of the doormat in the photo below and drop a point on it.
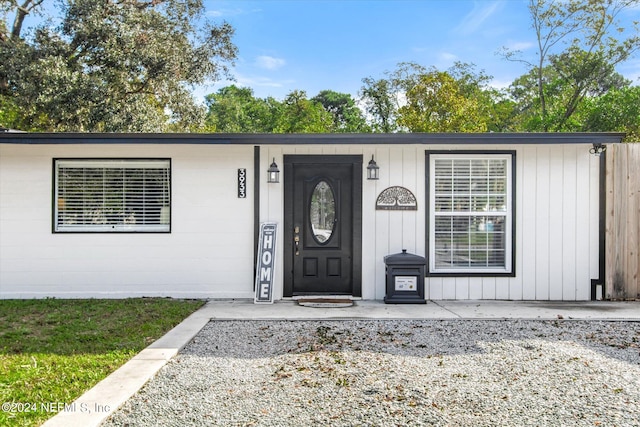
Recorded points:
(325, 302)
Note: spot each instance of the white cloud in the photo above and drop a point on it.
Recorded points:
(447, 57)
(474, 19)
(515, 45)
(225, 13)
(269, 62)
(219, 13)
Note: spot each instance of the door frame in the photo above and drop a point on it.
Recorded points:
(356, 221)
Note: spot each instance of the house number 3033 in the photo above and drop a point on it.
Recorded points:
(242, 183)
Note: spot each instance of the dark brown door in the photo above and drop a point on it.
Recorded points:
(323, 225)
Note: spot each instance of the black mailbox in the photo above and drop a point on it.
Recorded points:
(405, 278)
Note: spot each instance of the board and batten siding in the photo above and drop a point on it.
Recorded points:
(208, 254)
(556, 220)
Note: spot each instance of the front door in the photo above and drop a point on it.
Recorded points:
(323, 225)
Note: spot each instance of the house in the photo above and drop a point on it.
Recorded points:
(512, 216)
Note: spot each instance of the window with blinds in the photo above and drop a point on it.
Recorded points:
(124, 195)
(471, 213)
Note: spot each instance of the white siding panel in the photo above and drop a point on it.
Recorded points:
(587, 208)
(502, 288)
(385, 243)
(542, 224)
(488, 287)
(409, 218)
(462, 288)
(526, 220)
(448, 288)
(211, 234)
(209, 252)
(556, 223)
(436, 288)
(372, 288)
(475, 289)
(395, 224)
(569, 224)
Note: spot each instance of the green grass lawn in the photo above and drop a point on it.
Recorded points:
(53, 350)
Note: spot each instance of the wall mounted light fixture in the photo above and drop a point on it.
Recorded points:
(273, 173)
(373, 170)
(597, 149)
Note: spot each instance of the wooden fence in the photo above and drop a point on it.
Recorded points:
(622, 256)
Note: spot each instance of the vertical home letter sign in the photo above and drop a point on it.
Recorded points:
(265, 265)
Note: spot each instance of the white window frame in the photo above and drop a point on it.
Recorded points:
(126, 216)
(507, 213)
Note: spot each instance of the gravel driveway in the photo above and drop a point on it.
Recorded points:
(397, 372)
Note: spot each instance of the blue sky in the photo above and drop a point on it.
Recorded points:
(334, 44)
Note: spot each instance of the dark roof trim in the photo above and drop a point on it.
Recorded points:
(329, 138)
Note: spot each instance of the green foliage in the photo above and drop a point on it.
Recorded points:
(559, 80)
(418, 99)
(54, 350)
(382, 98)
(129, 66)
(347, 117)
(116, 66)
(617, 110)
(437, 103)
(301, 115)
(236, 110)
(379, 104)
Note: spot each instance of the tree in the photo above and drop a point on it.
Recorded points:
(347, 117)
(496, 109)
(378, 101)
(116, 65)
(235, 110)
(587, 29)
(301, 115)
(616, 111)
(382, 98)
(419, 99)
(563, 102)
(437, 103)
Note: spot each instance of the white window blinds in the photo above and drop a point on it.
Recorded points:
(470, 226)
(126, 195)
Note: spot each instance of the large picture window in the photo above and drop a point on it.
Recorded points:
(471, 213)
(123, 195)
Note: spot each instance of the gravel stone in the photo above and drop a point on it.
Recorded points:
(397, 372)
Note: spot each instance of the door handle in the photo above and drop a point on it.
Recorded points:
(296, 240)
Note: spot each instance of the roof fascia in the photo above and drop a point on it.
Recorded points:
(295, 139)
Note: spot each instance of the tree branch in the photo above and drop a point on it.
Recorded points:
(21, 12)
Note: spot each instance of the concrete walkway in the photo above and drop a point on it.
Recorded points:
(97, 404)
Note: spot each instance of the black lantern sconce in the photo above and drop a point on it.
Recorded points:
(373, 170)
(597, 149)
(273, 173)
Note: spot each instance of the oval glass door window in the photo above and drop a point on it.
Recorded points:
(322, 212)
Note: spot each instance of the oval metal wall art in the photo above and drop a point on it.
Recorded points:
(396, 199)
